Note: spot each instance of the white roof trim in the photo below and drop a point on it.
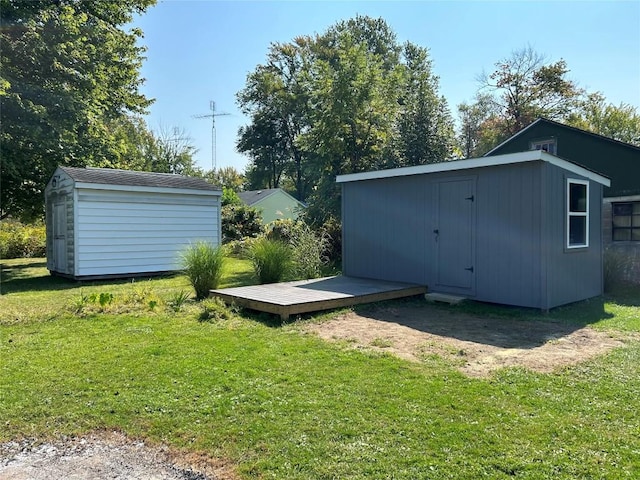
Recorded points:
(135, 188)
(517, 134)
(451, 166)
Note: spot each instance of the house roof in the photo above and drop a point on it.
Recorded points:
(111, 176)
(561, 125)
(252, 197)
(508, 159)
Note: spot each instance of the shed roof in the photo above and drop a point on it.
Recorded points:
(455, 165)
(112, 176)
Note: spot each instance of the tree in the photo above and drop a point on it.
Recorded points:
(227, 178)
(171, 151)
(480, 126)
(522, 88)
(618, 122)
(69, 80)
(425, 126)
(348, 100)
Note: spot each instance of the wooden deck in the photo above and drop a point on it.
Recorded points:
(304, 296)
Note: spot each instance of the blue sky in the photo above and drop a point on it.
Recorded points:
(203, 50)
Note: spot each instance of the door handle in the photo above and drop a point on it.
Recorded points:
(470, 269)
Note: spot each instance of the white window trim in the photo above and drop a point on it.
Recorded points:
(547, 141)
(577, 214)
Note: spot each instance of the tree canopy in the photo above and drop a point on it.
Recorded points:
(526, 86)
(69, 88)
(347, 100)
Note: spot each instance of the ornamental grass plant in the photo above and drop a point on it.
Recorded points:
(203, 264)
(272, 260)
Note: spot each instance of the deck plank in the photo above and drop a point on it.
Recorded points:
(303, 296)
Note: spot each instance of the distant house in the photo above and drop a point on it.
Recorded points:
(104, 223)
(274, 203)
(618, 161)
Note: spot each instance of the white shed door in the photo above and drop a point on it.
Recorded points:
(60, 237)
(456, 236)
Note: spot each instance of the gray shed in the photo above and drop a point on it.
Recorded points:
(118, 223)
(520, 229)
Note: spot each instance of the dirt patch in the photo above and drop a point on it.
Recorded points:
(104, 455)
(477, 346)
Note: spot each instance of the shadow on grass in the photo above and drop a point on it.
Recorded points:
(488, 324)
(33, 277)
(627, 295)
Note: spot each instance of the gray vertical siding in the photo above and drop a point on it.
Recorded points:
(509, 243)
(520, 253)
(573, 274)
(384, 229)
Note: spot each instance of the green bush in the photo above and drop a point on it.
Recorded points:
(272, 260)
(332, 230)
(284, 230)
(240, 221)
(309, 251)
(202, 263)
(18, 240)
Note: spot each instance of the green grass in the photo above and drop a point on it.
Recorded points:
(282, 404)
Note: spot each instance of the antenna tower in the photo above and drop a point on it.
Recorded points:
(212, 116)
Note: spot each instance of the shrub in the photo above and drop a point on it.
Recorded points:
(309, 251)
(332, 230)
(284, 230)
(18, 240)
(202, 263)
(271, 259)
(240, 221)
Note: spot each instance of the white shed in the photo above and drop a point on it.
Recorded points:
(104, 222)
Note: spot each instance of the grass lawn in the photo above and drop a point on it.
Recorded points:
(279, 403)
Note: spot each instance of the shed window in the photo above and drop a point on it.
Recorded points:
(577, 213)
(626, 222)
(548, 145)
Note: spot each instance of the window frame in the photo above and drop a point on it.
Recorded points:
(545, 141)
(630, 228)
(570, 214)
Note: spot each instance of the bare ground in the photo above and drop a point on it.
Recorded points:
(102, 455)
(478, 346)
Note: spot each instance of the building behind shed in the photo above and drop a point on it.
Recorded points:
(115, 223)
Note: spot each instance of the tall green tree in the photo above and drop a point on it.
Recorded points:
(620, 122)
(347, 100)
(425, 126)
(69, 79)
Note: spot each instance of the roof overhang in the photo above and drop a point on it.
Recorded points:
(133, 188)
(481, 162)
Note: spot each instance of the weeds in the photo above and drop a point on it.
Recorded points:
(214, 310)
(178, 299)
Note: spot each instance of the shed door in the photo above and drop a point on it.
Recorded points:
(60, 237)
(455, 236)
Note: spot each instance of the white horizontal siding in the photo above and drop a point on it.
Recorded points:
(126, 233)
